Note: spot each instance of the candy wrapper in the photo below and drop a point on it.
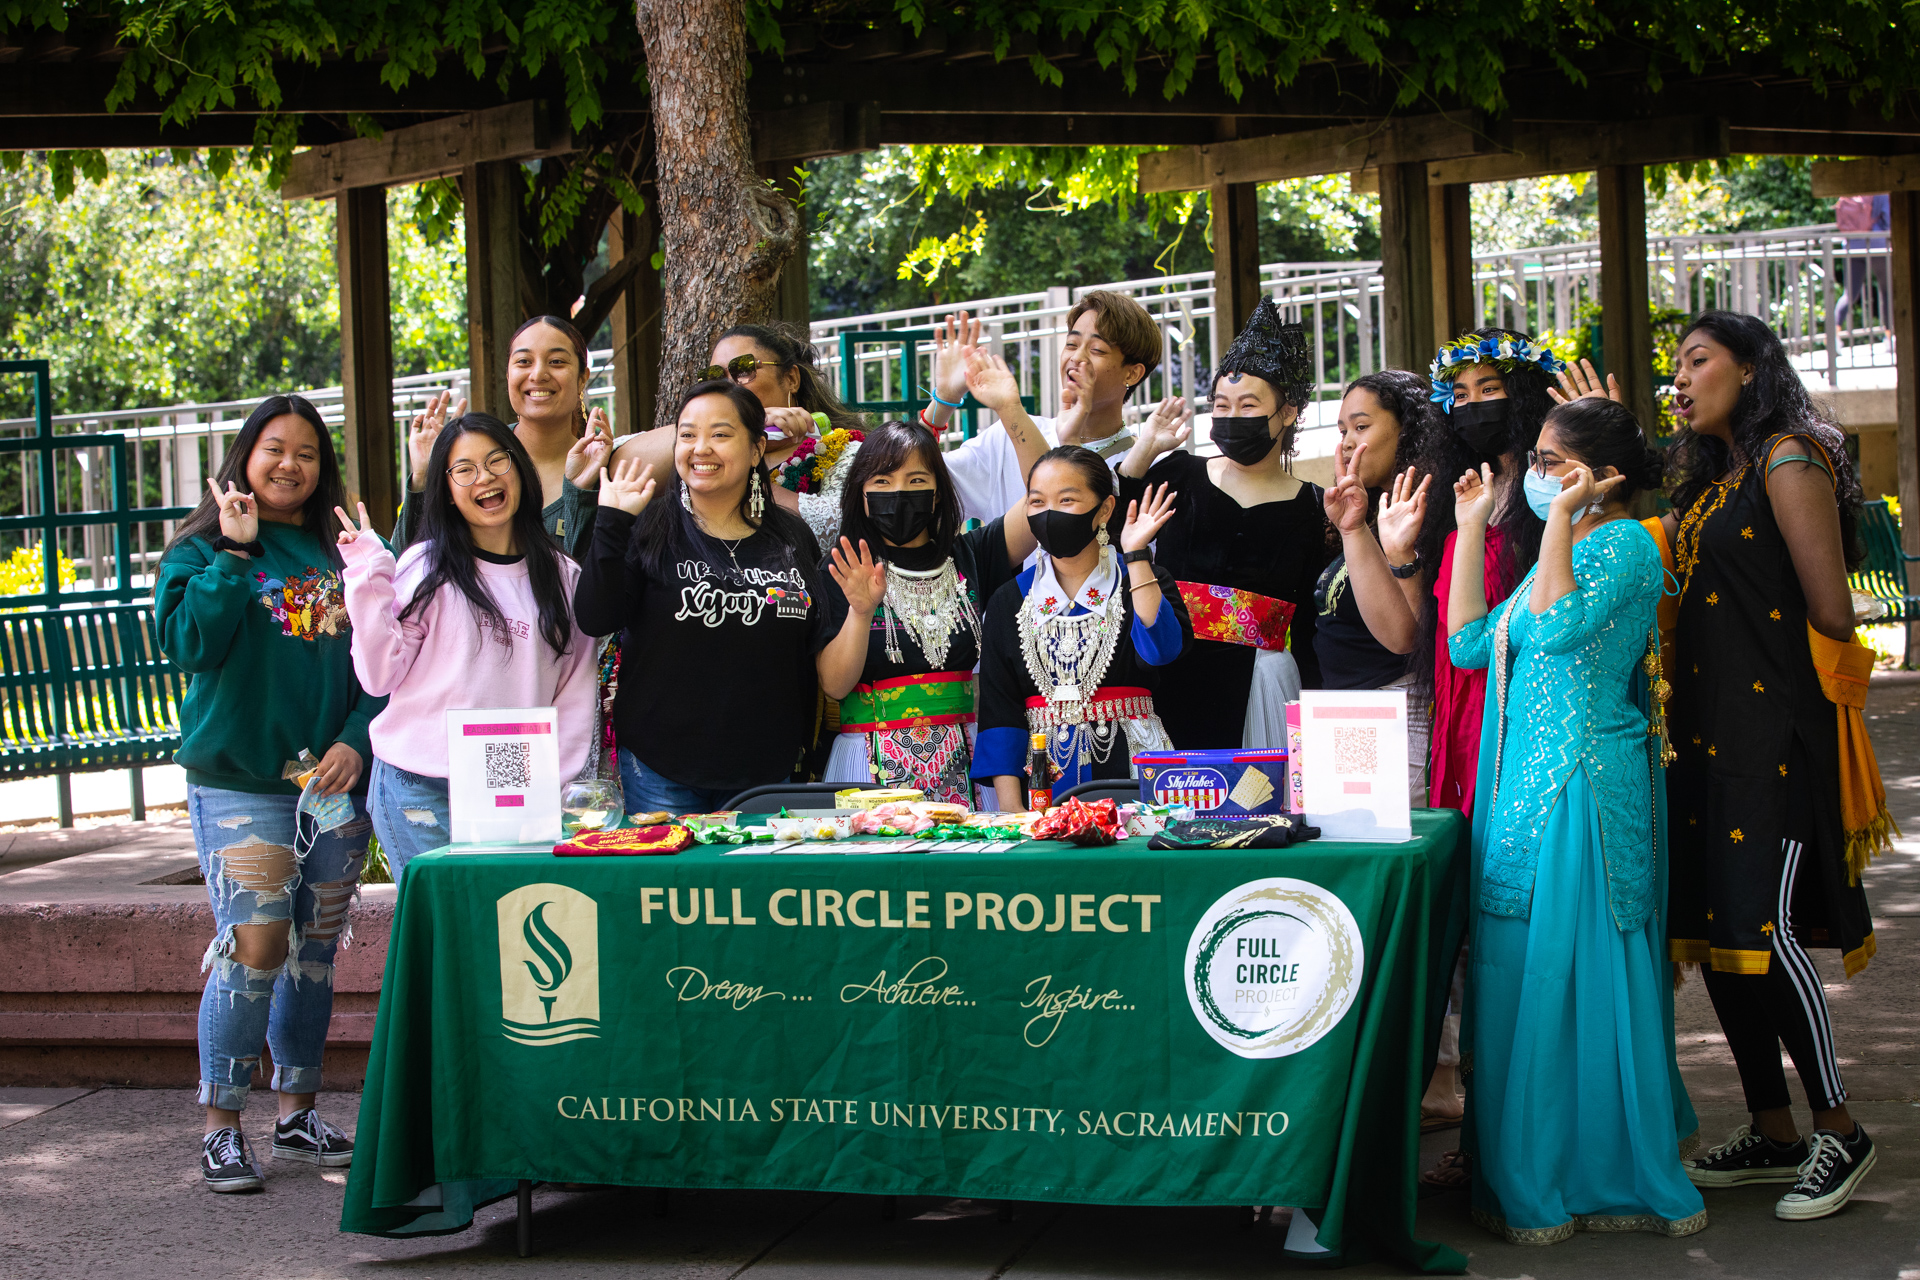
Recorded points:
(1081, 823)
(720, 835)
(891, 820)
(626, 842)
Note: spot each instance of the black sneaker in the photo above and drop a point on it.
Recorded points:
(226, 1164)
(305, 1137)
(1746, 1157)
(1827, 1179)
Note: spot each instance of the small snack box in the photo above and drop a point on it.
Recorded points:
(872, 798)
(1222, 783)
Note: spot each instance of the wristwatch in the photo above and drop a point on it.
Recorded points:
(1135, 557)
(1406, 570)
(224, 543)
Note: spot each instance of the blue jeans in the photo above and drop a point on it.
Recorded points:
(648, 791)
(255, 876)
(409, 813)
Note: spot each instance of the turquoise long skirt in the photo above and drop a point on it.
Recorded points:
(1575, 1109)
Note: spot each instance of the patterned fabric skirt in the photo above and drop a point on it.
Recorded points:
(932, 759)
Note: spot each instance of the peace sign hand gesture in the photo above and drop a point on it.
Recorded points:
(351, 533)
(239, 518)
(630, 487)
(1346, 502)
(427, 426)
(1145, 519)
(862, 578)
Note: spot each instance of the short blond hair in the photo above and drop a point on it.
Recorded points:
(1123, 322)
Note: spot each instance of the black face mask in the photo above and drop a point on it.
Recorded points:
(1482, 425)
(899, 515)
(1062, 534)
(1243, 440)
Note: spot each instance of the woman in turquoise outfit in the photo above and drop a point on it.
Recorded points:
(1576, 1111)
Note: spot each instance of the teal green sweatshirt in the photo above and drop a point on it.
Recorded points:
(268, 647)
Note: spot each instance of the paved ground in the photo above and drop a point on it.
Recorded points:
(104, 1182)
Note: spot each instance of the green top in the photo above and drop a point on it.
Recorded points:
(269, 649)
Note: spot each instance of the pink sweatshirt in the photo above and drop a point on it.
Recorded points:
(442, 659)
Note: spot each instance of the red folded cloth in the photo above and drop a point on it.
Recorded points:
(628, 841)
(1081, 823)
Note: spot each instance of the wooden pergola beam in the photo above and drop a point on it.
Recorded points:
(1868, 176)
(520, 131)
(1540, 150)
(815, 130)
(1306, 154)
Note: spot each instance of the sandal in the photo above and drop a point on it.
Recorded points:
(1432, 1122)
(1453, 1171)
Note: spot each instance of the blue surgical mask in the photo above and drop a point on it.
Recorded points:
(327, 813)
(1541, 491)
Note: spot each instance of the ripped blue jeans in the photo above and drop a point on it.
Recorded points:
(410, 813)
(254, 876)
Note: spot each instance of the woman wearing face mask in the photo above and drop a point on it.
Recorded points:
(248, 603)
(907, 695)
(1244, 545)
(1072, 647)
(1577, 1108)
(547, 373)
(709, 581)
(1775, 815)
(477, 613)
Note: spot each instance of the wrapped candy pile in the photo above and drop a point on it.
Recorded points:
(1081, 823)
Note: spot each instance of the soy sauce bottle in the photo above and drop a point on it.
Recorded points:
(1041, 776)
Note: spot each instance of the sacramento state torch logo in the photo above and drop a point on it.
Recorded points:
(549, 965)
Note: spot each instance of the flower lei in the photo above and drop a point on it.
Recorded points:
(1505, 353)
(808, 466)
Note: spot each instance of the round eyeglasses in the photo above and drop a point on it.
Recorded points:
(740, 368)
(466, 474)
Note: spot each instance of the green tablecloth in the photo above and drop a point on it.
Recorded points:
(1117, 1026)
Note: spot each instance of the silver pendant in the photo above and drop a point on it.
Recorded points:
(1065, 693)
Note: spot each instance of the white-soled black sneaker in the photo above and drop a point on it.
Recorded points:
(1746, 1157)
(226, 1163)
(305, 1137)
(1833, 1169)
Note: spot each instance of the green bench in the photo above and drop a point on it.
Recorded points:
(1883, 575)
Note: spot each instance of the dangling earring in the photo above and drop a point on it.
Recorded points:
(686, 503)
(1100, 536)
(756, 502)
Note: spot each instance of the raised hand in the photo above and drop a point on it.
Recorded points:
(590, 452)
(427, 426)
(1473, 497)
(793, 424)
(1073, 411)
(1168, 426)
(1403, 510)
(1346, 501)
(351, 532)
(1581, 382)
(954, 341)
(239, 517)
(991, 381)
(630, 487)
(862, 578)
(1579, 490)
(1145, 519)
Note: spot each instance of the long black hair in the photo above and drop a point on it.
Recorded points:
(447, 539)
(1600, 434)
(316, 517)
(888, 447)
(794, 350)
(666, 530)
(1775, 402)
(579, 345)
(1526, 385)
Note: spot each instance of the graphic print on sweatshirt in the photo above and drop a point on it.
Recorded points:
(712, 596)
(306, 605)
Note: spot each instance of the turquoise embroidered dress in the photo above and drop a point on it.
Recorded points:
(1575, 1105)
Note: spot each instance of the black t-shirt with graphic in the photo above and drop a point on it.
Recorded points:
(717, 679)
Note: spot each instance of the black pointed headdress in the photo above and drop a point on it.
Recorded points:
(1275, 351)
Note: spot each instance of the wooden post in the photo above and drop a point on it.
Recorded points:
(1236, 255)
(366, 351)
(1449, 227)
(492, 195)
(1626, 328)
(636, 324)
(1406, 252)
(1905, 237)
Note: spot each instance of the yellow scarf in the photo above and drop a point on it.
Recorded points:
(1844, 667)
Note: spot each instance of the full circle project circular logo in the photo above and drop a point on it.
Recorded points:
(1273, 966)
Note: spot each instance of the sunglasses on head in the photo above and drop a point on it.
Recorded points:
(740, 368)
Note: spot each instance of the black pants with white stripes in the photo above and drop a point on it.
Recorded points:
(1785, 1005)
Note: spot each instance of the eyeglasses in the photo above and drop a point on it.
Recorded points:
(466, 474)
(740, 368)
(1538, 465)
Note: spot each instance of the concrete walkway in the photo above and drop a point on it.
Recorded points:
(104, 1182)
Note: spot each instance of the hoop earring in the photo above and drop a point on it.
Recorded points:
(756, 501)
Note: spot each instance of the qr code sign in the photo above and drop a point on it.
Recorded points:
(510, 766)
(1356, 750)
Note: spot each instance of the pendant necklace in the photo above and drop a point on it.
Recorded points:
(930, 606)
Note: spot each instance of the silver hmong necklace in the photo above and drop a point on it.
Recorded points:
(1067, 657)
(930, 606)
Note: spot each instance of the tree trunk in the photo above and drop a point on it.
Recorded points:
(727, 233)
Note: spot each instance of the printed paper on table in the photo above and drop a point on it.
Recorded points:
(1353, 763)
(503, 776)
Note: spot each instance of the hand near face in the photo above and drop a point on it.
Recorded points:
(351, 532)
(630, 487)
(1146, 518)
(427, 426)
(1346, 501)
(1403, 510)
(1473, 498)
(590, 451)
(859, 575)
(239, 515)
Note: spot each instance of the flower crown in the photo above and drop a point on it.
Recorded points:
(1505, 352)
